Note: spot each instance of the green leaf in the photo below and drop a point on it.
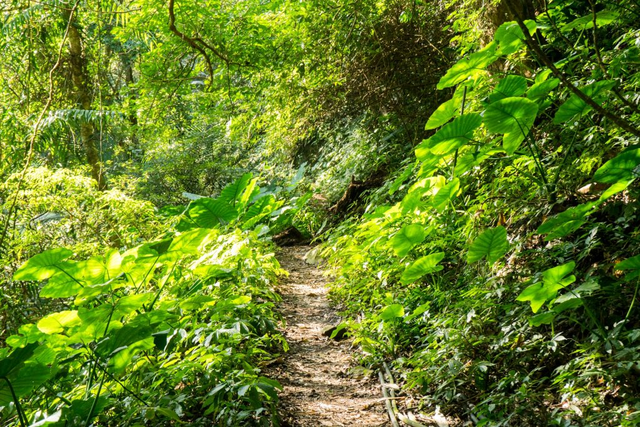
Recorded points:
(169, 413)
(263, 206)
(542, 318)
(121, 358)
(512, 117)
(232, 192)
(187, 243)
(42, 266)
(510, 37)
(446, 111)
(408, 236)
(419, 311)
(391, 312)
(89, 292)
(492, 244)
(197, 302)
(450, 137)
(408, 171)
(614, 189)
(576, 107)
(72, 276)
(566, 222)
(208, 213)
(604, 17)
(411, 202)
(541, 89)
(160, 247)
(57, 322)
(632, 263)
(250, 191)
(123, 338)
(470, 159)
(425, 265)
(127, 305)
(16, 358)
(509, 86)
(553, 280)
(24, 381)
(469, 67)
(80, 408)
(446, 194)
(623, 167)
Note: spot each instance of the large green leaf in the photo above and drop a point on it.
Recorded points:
(23, 381)
(446, 111)
(508, 87)
(232, 192)
(566, 222)
(122, 357)
(71, 277)
(408, 236)
(250, 191)
(469, 67)
(190, 242)
(604, 17)
(16, 358)
(472, 158)
(576, 107)
(512, 117)
(510, 37)
(130, 303)
(391, 312)
(553, 280)
(450, 137)
(208, 213)
(492, 244)
(425, 265)
(56, 322)
(23, 377)
(42, 266)
(187, 243)
(541, 89)
(124, 337)
(258, 207)
(572, 219)
(623, 167)
(446, 194)
(630, 264)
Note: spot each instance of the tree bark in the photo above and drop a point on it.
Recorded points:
(126, 61)
(83, 98)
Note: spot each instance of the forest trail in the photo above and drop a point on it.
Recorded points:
(321, 385)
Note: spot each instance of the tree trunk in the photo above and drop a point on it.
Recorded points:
(83, 99)
(129, 80)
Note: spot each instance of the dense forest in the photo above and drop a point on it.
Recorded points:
(464, 169)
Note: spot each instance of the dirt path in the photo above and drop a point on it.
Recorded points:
(321, 386)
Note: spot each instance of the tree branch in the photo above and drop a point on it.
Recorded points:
(191, 42)
(535, 47)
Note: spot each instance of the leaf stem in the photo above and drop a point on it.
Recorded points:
(21, 416)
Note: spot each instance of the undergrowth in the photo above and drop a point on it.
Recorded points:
(498, 271)
(168, 331)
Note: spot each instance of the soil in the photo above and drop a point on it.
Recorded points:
(322, 385)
